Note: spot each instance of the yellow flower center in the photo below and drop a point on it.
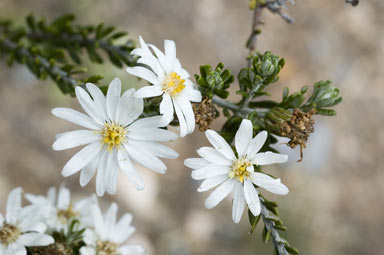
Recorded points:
(173, 84)
(106, 248)
(65, 215)
(113, 135)
(239, 169)
(9, 234)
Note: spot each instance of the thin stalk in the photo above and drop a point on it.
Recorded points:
(270, 225)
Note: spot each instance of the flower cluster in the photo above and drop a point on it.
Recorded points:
(51, 223)
(117, 134)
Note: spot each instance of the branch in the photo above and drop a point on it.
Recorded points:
(275, 6)
(278, 242)
(65, 39)
(53, 71)
(40, 66)
(251, 42)
(352, 2)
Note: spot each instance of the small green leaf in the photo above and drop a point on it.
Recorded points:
(266, 235)
(253, 220)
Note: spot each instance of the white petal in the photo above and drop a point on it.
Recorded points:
(182, 72)
(39, 227)
(148, 58)
(111, 171)
(267, 158)
(75, 138)
(123, 229)
(99, 99)
(110, 219)
(75, 117)
(1, 220)
(89, 171)
(251, 197)
(35, 239)
(13, 205)
(64, 198)
(182, 122)
(170, 50)
(133, 249)
(88, 105)
(51, 195)
(212, 155)
(193, 94)
(128, 169)
(188, 113)
(81, 159)
(15, 249)
(243, 137)
(157, 149)
(267, 182)
(256, 144)
(100, 176)
(129, 108)
(162, 58)
(219, 194)
(86, 250)
(149, 91)
(209, 171)
(212, 182)
(154, 121)
(113, 97)
(145, 158)
(238, 203)
(166, 109)
(112, 175)
(196, 163)
(144, 73)
(98, 220)
(220, 144)
(152, 134)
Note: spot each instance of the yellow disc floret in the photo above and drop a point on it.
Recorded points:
(8, 234)
(67, 214)
(173, 84)
(239, 169)
(106, 248)
(113, 135)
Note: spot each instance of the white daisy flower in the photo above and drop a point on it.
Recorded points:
(21, 227)
(57, 213)
(114, 137)
(169, 79)
(109, 235)
(220, 165)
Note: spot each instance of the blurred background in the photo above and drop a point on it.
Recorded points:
(335, 205)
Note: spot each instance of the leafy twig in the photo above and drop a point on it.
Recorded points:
(41, 66)
(282, 246)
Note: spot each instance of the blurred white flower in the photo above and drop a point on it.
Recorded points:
(220, 165)
(58, 213)
(22, 227)
(169, 79)
(109, 236)
(115, 137)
